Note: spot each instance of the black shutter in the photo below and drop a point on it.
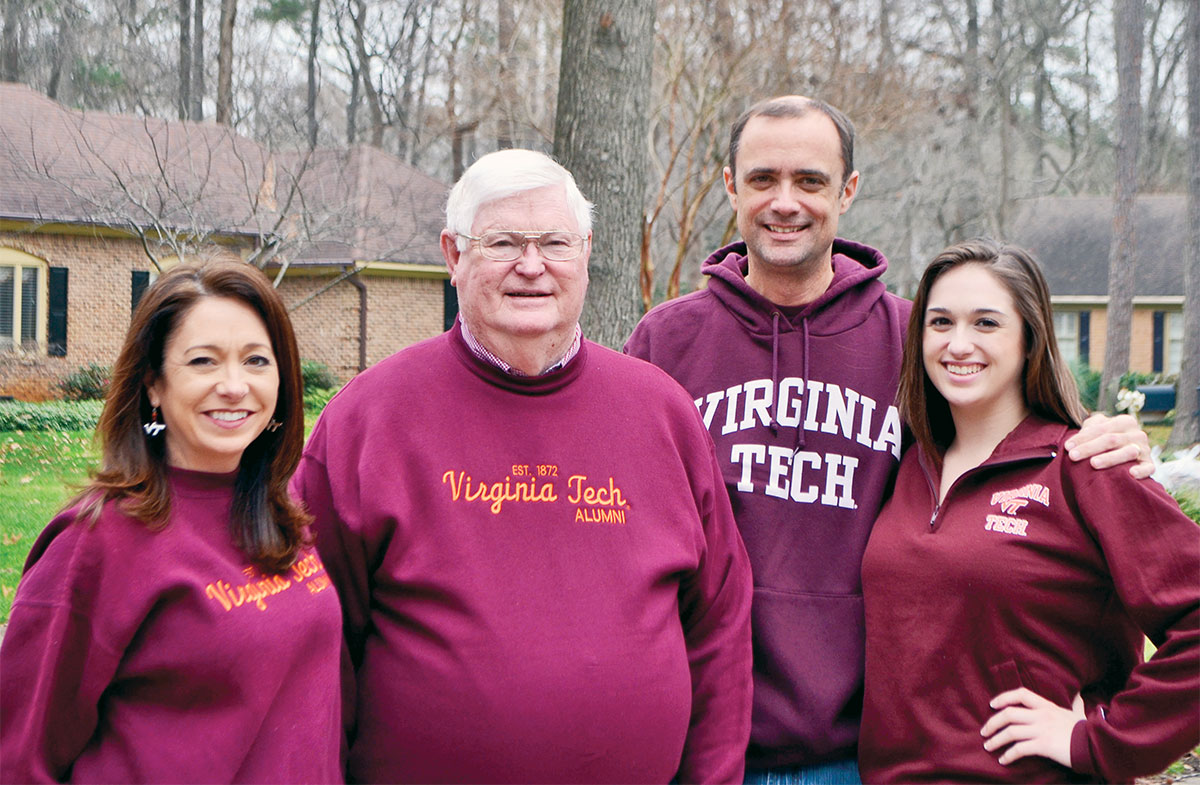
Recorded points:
(1085, 337)
(56, 316)
(449, 304)
(139, 282)
(1159, 324)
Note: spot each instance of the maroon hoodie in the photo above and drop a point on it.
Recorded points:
(800, 405)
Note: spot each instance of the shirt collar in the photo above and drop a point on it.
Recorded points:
(480, 351)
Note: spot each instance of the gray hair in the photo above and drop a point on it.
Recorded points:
(506, 173)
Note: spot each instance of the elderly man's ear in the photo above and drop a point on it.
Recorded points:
(450, 252)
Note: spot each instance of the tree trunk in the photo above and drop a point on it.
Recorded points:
(62, 56)
(10, 60)
(1128, 18)
(600, 135)
(364, 71)
(198, 62)
(1187, 419)
(185, 59)
(505, 35)
(225, 63)
(314, 39)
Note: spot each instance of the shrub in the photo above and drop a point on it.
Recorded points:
(86, 383)
(317, 376)
(315, 400)
(49, 416)
(1130, 380)
(1089, 384)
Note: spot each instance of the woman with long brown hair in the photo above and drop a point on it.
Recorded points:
(1007, 589)
(172, 623)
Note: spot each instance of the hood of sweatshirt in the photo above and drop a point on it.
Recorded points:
(846, 304)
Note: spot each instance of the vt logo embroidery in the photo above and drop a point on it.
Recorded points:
(1011, 502)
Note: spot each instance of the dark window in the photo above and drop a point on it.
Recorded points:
(139, 282)
(56, 314)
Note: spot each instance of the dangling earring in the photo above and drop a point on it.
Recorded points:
(154, 427)
(273, 425)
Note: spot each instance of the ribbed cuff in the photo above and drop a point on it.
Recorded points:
(1081, 750)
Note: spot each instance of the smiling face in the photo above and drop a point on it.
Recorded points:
(973, 344)
(788, 195)
(531, 299)
(218, 385)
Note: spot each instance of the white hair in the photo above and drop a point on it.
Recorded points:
(506, 173)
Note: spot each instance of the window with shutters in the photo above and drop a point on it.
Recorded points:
(23, 301)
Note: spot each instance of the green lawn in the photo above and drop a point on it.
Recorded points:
(38, 471)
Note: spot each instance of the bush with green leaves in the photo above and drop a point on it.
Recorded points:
(315, 400)
(86, 383)
(1088, 382)
(317, 376)
(49, 416)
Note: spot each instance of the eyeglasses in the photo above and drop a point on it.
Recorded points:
(510, 246)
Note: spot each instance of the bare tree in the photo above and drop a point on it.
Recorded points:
(1163, 152)
(197, 87)
(603, 98)
(314, 43)
(10, 49)
(225, 63)
(1187, 417)
(185, 58)
(1129, 20)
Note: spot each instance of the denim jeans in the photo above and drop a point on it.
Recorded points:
(841, 772)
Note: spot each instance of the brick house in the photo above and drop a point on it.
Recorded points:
(1071, 237)
(93, 205)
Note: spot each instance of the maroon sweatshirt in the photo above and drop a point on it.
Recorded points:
(800, 405)
(1034, 571)
(141, 656)
(541, 577)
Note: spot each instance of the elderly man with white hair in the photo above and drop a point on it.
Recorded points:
(541, 577)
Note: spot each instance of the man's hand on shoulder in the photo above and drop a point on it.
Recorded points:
(1110, 441)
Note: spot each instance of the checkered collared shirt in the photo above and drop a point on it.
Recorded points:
(482, 353)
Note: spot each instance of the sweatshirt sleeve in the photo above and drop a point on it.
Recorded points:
(341, 549)
(715, 609)
(55, 666)
(1153, 555)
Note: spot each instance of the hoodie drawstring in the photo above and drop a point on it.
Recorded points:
(800, 425)
(775, 364)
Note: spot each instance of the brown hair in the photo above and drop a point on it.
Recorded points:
(795, 106)
(1049, 387)
(266, 523)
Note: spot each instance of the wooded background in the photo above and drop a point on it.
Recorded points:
(964, 108)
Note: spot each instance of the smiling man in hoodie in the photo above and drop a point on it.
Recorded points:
(792, 355)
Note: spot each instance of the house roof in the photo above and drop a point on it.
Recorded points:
(1071, 237)
(395, 212)
(61, 165)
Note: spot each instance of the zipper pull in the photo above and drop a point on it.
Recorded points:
(933, 520)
